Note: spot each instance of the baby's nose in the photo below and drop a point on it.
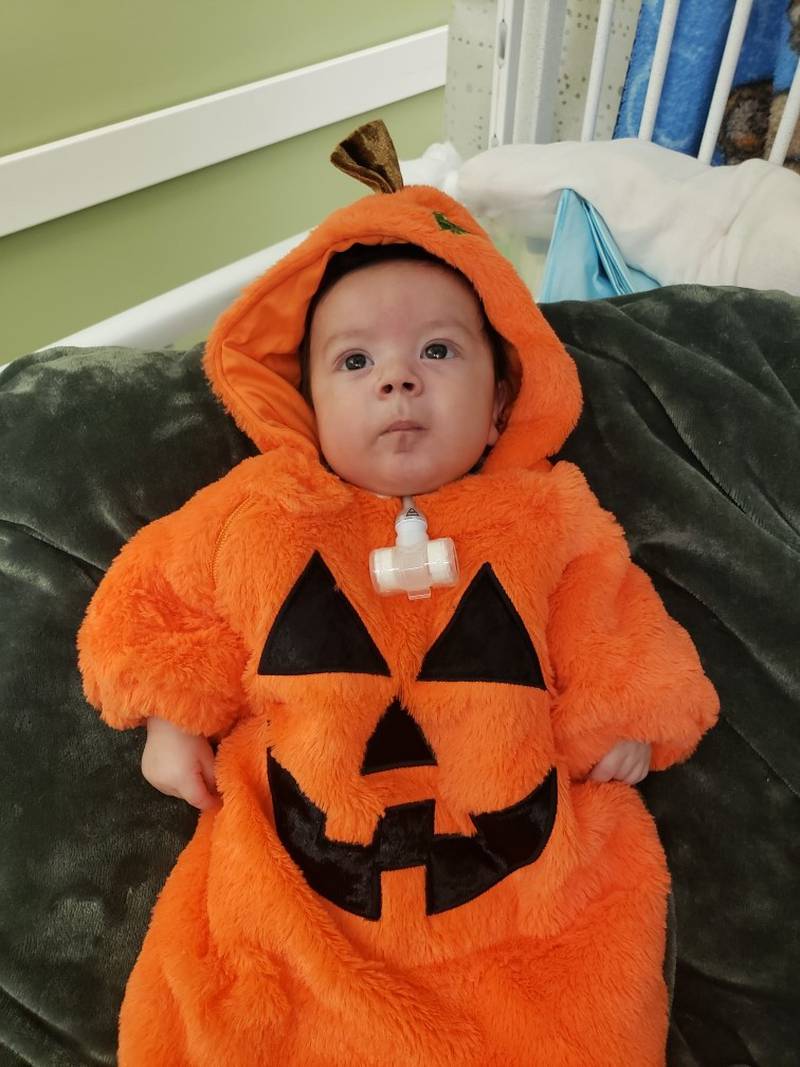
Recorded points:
(401, 379)
(407, 386)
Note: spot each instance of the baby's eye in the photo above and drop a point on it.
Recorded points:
(355, 361)
(436, 350)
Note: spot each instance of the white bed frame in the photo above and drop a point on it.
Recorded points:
(153, 148)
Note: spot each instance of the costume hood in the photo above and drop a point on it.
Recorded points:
(252, 357)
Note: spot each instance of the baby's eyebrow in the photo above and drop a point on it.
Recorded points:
(445, 324)
(344, 335)
(354, 333)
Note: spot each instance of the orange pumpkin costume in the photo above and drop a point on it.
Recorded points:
(405, 869)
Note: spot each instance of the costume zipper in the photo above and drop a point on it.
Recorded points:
(222, 538)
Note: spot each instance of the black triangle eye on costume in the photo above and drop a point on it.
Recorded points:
(485, 641)
(318, 631)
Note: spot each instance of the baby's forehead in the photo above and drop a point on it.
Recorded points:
(431, 281)
(416, 268)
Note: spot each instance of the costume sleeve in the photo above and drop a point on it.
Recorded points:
(624, 669)
(152, 642)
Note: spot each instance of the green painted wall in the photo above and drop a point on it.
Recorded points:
(72, 65)
(96, 63)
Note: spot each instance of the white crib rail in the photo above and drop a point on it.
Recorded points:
(536, 29)
(658, 71)
(727, 69)
(114, 160)
(540, 51)
(789, 119)
(601, 41)
(528, 38)
(505, 72)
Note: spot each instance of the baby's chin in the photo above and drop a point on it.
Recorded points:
(398, 483)
(400, 487)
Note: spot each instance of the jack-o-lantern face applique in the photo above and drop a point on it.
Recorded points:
(458, 867)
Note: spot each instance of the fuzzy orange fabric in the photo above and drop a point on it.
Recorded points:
(405, 869)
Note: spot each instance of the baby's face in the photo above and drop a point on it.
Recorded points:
(402, 378)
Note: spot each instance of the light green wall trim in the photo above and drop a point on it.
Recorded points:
(66, 274)
(72, 65)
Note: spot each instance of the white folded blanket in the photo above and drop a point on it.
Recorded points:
(674, 218)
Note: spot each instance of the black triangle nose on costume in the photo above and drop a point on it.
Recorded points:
(318, 631)
(485, 641)
(397, 741)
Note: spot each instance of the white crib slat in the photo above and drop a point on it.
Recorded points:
(540, 51)
(599, 55)
(505, 71)
(658, 70)
(727, 69)
(791, 113)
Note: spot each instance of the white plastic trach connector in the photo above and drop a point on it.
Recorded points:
(415, 564)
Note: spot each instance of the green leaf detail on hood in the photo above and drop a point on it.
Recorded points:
(446, 224)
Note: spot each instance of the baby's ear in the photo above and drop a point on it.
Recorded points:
(501, 410)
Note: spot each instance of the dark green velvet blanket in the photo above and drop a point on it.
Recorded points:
(690, 434)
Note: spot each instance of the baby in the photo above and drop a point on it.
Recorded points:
(407, 379)
(418, 843)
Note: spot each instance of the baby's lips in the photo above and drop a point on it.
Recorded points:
(403, 424)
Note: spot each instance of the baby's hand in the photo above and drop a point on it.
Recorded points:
(180, 764)
(627, 761)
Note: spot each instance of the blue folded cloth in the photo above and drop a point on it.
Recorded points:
(583, 261)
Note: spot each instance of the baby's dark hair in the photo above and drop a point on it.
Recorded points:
(358, 256)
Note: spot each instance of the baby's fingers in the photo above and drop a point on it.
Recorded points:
(637, 774)
(635, 765)
(627, 761)
(606, 769)
(196, 792)
(206, 760)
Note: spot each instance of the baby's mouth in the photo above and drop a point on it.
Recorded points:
(400, 425)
